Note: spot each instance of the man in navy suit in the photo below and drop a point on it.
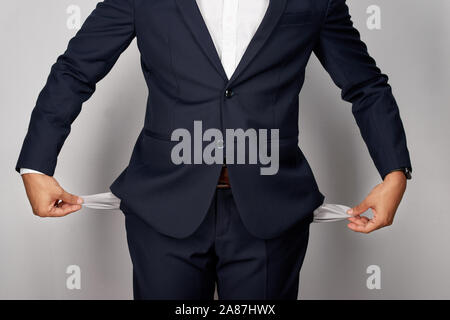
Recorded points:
(230, 64)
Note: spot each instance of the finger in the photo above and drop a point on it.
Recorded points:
(359, 209)
(381, 217)
(364, 218)
(64, 209)
(70, 198)
(359, 220)
(366, 228)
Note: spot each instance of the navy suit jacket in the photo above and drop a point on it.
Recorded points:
(187, 82)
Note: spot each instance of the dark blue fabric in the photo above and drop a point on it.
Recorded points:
(220, 251)
(188, 83)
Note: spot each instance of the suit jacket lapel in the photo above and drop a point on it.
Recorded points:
(270, 20)
(193, 18)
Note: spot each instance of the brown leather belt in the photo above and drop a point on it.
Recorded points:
(224, 182)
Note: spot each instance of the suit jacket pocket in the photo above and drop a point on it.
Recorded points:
(292, 19)
(157, 135)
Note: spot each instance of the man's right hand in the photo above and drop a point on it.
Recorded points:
(48, 198)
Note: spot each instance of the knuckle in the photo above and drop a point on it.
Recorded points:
(34, 209)
(38, 212)
(41, 211)
(59, 191)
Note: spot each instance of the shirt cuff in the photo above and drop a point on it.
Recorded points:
(25, 170)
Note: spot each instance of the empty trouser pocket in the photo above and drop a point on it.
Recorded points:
(327, 212)
(105, 201)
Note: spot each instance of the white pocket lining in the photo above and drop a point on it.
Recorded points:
(327, 212)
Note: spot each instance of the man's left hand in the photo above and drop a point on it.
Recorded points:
(384, 200)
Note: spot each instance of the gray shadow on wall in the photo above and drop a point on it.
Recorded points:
(113, 124)
(336, 152)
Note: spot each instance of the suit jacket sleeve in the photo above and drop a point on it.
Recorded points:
(89, 56)
(345, 57)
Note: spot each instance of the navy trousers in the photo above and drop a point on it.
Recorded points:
(220, 251)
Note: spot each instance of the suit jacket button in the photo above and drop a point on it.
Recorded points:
(229, 93)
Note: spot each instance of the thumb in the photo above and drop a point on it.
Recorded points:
(70, 198)
(359, 209)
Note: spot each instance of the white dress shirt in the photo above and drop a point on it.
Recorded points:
(231, 24)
